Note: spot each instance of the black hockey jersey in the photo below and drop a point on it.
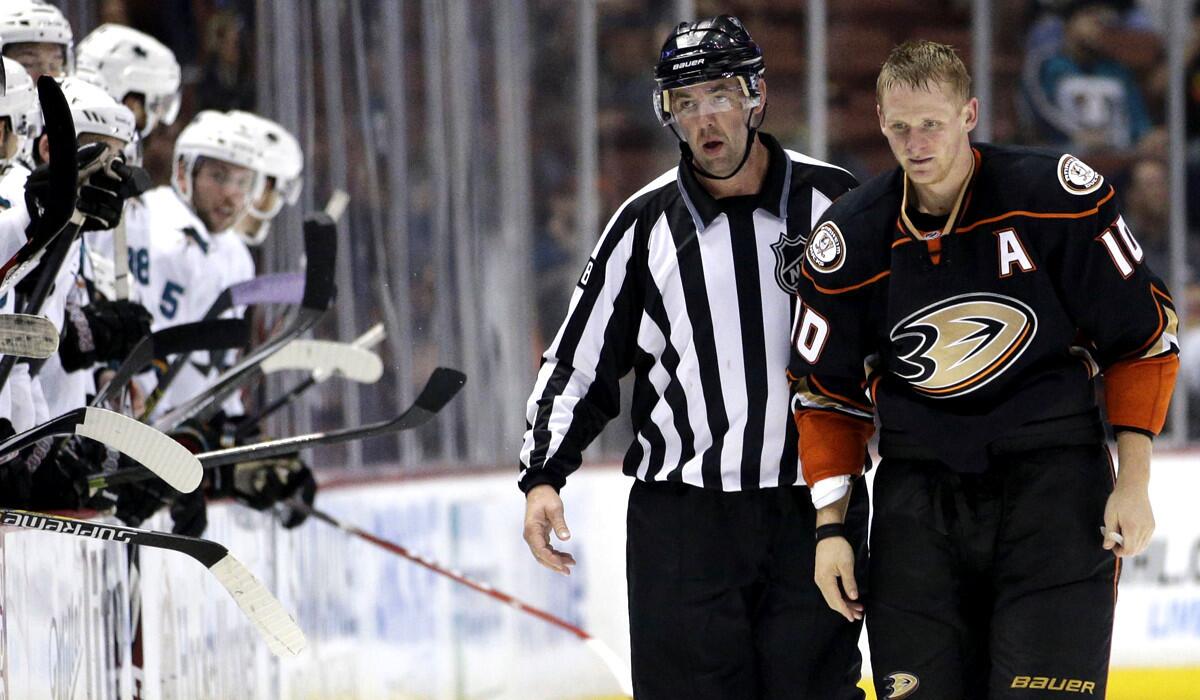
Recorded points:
(981, 330)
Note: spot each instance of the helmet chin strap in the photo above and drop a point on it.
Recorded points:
(690, 158)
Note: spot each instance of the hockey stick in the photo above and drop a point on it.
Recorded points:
(368, 340)
(167, 459)
(280, 631)
(220, 334)
(320, 248)
(442, 386)
(26, 335)
(277, 288)
(614, 663)
(327, 357)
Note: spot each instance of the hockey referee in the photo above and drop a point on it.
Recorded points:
(692, 287)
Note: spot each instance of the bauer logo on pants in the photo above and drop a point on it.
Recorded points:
(902, 685)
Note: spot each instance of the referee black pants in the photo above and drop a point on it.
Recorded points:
(992, 585)
(722, 603)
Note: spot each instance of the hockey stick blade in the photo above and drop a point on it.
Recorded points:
(221, 334)
(25, 335)
(374, 336)
(443, 385)
(329, 357)
(279, 629)
(274, 288)
(167, 459)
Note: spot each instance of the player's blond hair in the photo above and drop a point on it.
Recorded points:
(923, 65)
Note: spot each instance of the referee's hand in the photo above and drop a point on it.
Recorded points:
(544, 512)
(834, 574)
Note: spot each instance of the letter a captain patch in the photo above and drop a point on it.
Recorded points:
(1011, 253)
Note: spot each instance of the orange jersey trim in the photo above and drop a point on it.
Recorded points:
(1138, 392)
(843, 290)
(1045, 215)
(831, 444)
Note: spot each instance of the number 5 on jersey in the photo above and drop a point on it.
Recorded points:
(169, 305)
(809, 333)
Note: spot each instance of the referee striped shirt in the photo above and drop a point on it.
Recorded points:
(696, 296)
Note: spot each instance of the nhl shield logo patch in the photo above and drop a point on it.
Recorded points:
(1078, 177)
(789, 253)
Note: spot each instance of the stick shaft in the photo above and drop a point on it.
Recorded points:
(443, 571)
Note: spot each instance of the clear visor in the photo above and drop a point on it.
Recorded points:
(694, 101)
(274, 195)
(160, 109)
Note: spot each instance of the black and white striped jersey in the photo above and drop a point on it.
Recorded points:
(696, 296)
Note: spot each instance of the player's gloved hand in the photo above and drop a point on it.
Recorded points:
(60, 479)
(90, 158)
(103, 193)
(103, 331)
(139, 500)
(189, 514)
(263, 483)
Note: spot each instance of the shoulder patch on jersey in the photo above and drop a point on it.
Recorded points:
(826, 250)
(1078, 177)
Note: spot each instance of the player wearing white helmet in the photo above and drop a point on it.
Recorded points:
(20, 121)
(282, 168)
(140, 72)
(185, 263)
(38, 36)
(95, 330)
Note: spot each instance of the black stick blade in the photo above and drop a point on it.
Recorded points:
(60, 130)
(443, 385)
(320, 252)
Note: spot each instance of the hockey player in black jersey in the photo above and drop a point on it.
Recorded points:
(970, 298)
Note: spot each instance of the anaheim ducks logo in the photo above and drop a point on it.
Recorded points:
(903, 685)
(1078, 177)
(959, 344)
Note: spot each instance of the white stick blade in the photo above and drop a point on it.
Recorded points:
(283, 636)
(336, 206)
(327, 357)
(27, 336)
(150, 448)
(615, 665)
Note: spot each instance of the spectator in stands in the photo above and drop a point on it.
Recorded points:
(1080, 98)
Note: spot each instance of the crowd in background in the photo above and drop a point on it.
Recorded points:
(1087, 76)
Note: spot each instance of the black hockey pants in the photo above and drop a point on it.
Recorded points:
(722, 603)
(992, 585)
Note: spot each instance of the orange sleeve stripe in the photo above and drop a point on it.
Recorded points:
(1036, 215)
(843, 290)
(831, 444)
(849, 402)
(1137, 393)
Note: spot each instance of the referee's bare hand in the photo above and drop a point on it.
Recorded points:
(543, 513)
(835, 565)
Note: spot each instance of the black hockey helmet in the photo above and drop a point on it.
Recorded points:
(707, 49)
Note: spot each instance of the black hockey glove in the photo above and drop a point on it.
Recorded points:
(262, 484)
(105, 182)
(102, 195)
(137, 501)
(103, 331)
(189, 514)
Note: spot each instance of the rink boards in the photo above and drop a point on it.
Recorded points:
(381, 627)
